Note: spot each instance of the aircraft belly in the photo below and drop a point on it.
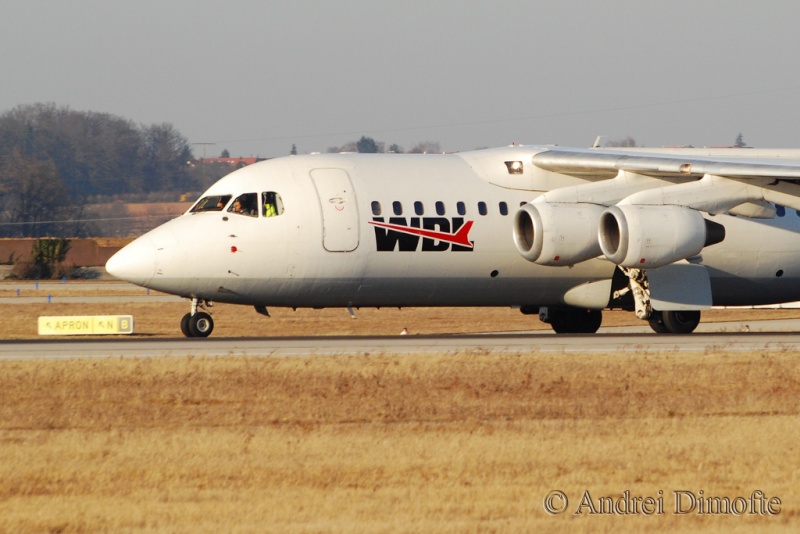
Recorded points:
(452, 291)
(391, 292)
(734, 287)
(758, 263)
(336, 291)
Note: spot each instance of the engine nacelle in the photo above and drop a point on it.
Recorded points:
(557, 234)
(647, 237)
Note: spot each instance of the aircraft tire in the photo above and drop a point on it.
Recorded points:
(576, 321)
(185, 325)
(657, 323)
(681, 322)
(590, 321)
(201, 324)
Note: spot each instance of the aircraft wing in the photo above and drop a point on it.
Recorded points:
(594, 161)
(710, 182)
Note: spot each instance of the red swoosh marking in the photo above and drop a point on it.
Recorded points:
(461, 237)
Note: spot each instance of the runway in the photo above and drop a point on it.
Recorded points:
(27, 292)
(552, 344)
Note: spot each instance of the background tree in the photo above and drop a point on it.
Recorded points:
(53, 160)
(739, 141)
(366, 145)
(48, 257)
(97, 153)
(34, 198)
(165, 155)
(369, 145)
(347, 147)
(203, 174)
(94, 153)
(426, 147)
(293, 152)
(225, 153)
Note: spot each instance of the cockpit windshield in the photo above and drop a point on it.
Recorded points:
(211, 203)
(267, 204)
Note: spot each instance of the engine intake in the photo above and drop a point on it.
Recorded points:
(557, 234)
(653, 236)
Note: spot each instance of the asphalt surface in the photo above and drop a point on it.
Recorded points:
(545, 343)
(28, 292)
(777, 335)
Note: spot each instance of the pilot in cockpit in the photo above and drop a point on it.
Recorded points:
(270, 205)
(245, 205)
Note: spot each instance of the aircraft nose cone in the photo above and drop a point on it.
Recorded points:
(135, 263)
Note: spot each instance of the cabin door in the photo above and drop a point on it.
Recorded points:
(337, 201)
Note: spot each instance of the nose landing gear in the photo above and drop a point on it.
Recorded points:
(197, 323)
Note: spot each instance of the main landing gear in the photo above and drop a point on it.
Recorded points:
(674, 322)
(571, 320)
(632, 293)
(197, 323)
(580, 321)
(662, 322)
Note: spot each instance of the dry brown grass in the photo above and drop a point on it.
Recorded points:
(388, 443)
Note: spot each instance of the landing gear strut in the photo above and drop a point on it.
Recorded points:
(639, 288)
(197, 323)
(662, 322)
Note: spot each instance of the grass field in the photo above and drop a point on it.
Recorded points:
(385, 443)
(398, 444)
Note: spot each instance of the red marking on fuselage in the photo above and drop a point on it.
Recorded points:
(461, 237)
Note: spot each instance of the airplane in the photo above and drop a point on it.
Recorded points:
(562, 233)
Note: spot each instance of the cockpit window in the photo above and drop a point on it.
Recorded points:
(211, 203)
(245, 205)
(271, 204)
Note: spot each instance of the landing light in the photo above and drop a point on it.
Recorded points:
(514, 167)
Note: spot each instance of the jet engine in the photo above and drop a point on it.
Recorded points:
(647, 237)
(557, 234)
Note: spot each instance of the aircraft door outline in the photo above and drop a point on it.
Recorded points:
(337, 199)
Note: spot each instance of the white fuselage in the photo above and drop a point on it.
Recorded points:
(382, 230)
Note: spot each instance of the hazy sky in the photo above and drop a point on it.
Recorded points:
(256, 76)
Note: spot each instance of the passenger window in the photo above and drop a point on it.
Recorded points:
(211, 203)
(503, 208)
(781, 211)
(482, 208)
(271, 204)
(376, 208)
(245, 205)
(397, 207)
(461, 208)
(419, 209)
(439, 207)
